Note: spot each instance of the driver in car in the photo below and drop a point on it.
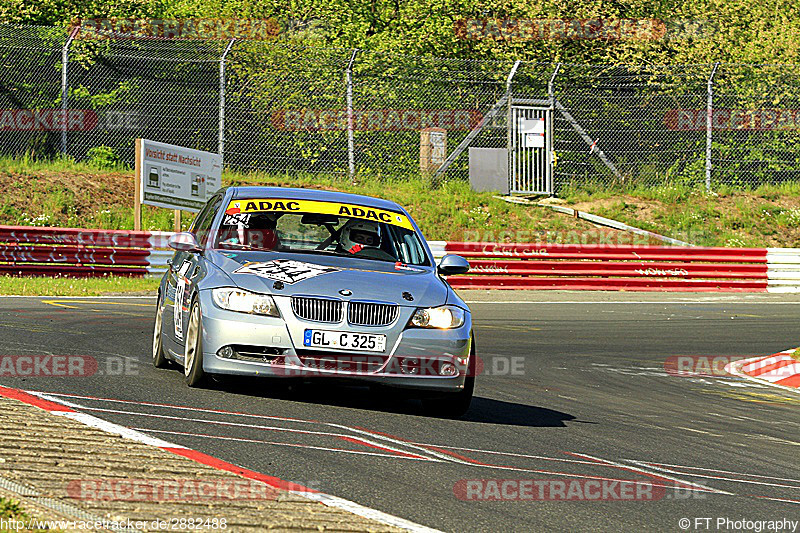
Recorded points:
(257, 232)
(362, 238)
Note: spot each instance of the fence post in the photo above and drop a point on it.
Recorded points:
(509, 125)
(221, 141)
(351, 156)
(709, 124)
(551, 95)
(65, 87)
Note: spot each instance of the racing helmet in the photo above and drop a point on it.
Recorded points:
(360, 234)
(260, 231)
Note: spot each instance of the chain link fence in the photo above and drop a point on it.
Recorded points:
(276, 108)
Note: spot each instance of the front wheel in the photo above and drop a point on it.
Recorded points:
(193, 354)
(159, 361)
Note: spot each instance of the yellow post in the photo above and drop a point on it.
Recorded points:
(177, 221)
(137, 186)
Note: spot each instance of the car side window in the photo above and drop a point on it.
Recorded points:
(202, 224)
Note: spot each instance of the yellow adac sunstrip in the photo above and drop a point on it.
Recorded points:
(287, 205)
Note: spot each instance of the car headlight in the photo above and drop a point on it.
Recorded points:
(445, 317)
(245, 301)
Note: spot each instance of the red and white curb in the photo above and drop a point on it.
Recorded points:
(780, 369)
(64, 408)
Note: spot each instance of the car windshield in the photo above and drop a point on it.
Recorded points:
(304, 226)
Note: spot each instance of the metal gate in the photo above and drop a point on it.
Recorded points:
(530, 166)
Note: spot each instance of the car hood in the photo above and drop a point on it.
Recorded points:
(320, 275)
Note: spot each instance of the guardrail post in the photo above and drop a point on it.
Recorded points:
(509, 125)
(221, 144)
(551, 156)
(65, 87)
(351, 156)
(709, 124)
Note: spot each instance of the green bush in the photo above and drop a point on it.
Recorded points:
(102, 157)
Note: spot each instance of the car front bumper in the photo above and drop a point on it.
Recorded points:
(414, 357)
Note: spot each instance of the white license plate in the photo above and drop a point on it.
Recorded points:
(344, 340)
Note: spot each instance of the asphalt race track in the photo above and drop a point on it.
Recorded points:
(574, 387)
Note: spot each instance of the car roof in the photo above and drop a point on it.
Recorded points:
(243, 193)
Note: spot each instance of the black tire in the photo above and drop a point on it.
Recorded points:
(193, 350)
(454, 404)
(159, 360)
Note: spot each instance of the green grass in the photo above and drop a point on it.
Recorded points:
(24, 164)
(13, 510)
(765, 216)
(97, 194)
(50, 194)
(39, 286)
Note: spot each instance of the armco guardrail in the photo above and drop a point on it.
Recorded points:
(631, 268)
(87, 252)
(35, 251)
(783, 269)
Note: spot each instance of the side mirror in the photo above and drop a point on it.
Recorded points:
(184, 242)
(451, 265)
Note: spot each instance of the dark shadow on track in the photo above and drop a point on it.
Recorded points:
(386, 399)
(488, 411)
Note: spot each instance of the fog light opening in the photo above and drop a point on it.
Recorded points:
(409, 366)
(226, 352)
(448, 369)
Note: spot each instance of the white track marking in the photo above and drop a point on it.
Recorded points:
(325, 499)
(53, 398)
(424, 449)
(347, 505)
(289, 444)
(708, 476)
(501, 467)
(177, 407)
(110, 427)
(579, 476)
(438, 455)
(399, 442)
(231, 413)
(699, 431)
(252, 426)
(218, 422)
(721, 471)
(696, 486)
(734, 368)
(796, 502)
(512, 454)
(766, 361)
